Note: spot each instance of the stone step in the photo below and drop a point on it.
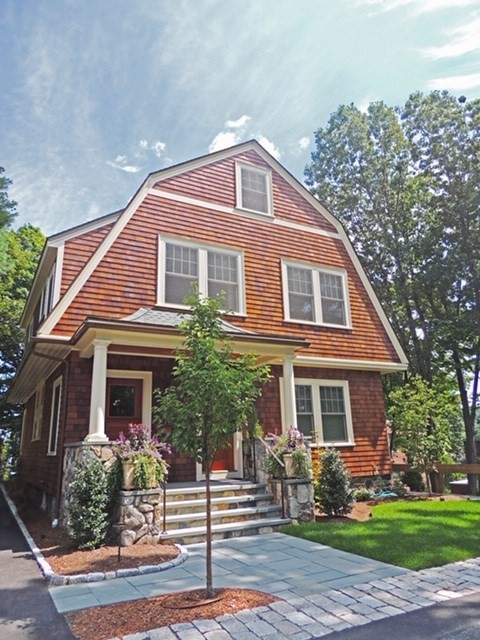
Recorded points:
(198, 518)
(192, 535)
(218, 503)
(226, 489)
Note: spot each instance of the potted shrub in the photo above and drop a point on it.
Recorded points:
(143, 464)
(289, 456)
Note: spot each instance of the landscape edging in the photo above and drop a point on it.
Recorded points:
(57, 580)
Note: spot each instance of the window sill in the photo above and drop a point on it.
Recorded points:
(183, 307)
(326, 445)
(253, 214)
(347, 327)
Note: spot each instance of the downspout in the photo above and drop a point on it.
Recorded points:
(58, 491)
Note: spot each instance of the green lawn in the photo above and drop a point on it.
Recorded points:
(414, 535)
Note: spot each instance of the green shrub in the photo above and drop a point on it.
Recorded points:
(361, 494)
(89, 500)
(333, 493)
(398, 487)
(414, 480)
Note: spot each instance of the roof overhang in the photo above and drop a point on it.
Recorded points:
(42, 357)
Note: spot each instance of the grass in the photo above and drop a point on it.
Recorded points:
(415, 535)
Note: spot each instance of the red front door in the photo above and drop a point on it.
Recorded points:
(123, 406)
(224, 459)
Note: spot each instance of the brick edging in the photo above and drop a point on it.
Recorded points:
(56, 579)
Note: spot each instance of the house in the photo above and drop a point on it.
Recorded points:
(103, 313)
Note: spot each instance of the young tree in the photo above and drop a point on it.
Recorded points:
(406, 184)
(420, 420)
(213, 396)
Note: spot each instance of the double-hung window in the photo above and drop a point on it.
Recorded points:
(38, 412)
(323, 411)
(254, 189)
(216, 272)
(315, 294)
(55, 416)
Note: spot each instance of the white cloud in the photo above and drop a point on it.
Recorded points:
(235, 124)
(464, 39)
(157, 147)
(270, 147)
(457, 83)
(417, 6)
(223, 140)
(304, 143)
(120, 162)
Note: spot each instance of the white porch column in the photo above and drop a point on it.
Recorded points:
(289, 393)
(96, 430)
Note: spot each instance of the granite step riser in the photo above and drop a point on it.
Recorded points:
(241, 503)
(225, 518)
(236, 533)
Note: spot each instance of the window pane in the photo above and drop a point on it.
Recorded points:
(304, 408)
(254, 190)
(122, 401)
(333, 306)
(52, 445)
(181, 272)
(223, 276)
(300, 294)
(334, 429)
(334, 423)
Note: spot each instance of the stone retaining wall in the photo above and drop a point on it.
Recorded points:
(139, 517)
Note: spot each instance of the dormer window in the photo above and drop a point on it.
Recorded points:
(254, 189)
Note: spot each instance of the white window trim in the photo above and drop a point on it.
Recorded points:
(238, 187)
(316, 269)
(38, 412)
(147, 378)
(317, 412)
(203, 250)
(57, 383)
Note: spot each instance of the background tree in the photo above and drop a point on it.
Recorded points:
(405, 183)
(19, 252)
(420, 419)
(213, 396)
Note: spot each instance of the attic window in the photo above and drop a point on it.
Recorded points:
(254, 186)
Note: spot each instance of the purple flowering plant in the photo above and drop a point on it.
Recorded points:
(292, 442)
(145, 452)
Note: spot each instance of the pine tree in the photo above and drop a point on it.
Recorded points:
(333, 493)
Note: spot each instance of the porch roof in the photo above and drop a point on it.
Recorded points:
(159, 328)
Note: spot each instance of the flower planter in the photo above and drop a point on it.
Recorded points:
(289, 465)
(128, 468)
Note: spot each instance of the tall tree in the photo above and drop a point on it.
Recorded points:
(23, 248)
(405, 183)
(213, 396)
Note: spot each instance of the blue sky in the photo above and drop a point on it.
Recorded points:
(97, 94)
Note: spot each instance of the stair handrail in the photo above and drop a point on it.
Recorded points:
(282, 464)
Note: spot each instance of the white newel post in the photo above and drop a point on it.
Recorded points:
(96, 431)
(289, 393)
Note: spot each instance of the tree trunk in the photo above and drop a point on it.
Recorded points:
(210, 591)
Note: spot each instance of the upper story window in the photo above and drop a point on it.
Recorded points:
(46, 299)
(254, 189)
(315, 294)
(323, 411)
(215, 271)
